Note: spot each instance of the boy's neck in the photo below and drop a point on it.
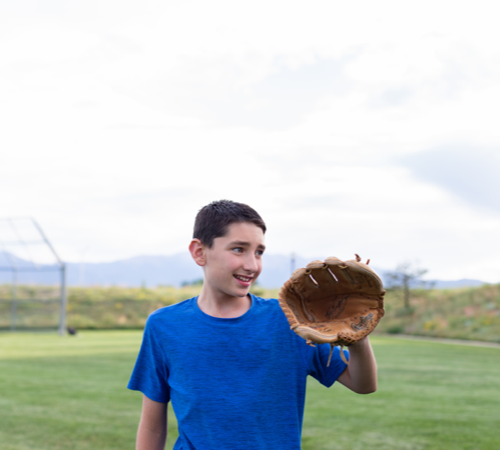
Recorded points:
(223, 308)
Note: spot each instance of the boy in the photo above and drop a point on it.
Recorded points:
(235, 372)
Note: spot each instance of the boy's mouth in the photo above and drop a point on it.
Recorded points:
(245, 281)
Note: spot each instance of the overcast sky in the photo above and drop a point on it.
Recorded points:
(362, 126)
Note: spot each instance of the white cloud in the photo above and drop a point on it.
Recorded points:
(118, 121)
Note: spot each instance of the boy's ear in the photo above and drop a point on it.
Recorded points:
(197, 250)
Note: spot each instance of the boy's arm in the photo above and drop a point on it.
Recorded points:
(152, 433)
(360, 375)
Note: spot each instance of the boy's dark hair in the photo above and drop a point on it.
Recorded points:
(213, 220)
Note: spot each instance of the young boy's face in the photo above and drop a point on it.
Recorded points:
(234, 261)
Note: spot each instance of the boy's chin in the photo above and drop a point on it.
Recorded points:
(242, 292)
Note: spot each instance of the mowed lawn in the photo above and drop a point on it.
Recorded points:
(70, 393)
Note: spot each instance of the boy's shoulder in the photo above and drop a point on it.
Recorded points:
(270, 303)
(267, 309)
(173, 312)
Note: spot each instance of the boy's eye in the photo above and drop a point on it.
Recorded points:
(259, 252)
(238, 249)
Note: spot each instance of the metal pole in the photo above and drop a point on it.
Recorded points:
(292, 262)
(13, 306)
(47, 242)
(64, 301)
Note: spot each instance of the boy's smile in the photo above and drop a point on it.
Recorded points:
(232, 264)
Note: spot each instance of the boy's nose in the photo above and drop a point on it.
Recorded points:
(251, 264)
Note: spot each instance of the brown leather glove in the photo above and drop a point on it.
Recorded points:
(333, 302)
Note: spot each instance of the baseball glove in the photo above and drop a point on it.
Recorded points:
(333, 302)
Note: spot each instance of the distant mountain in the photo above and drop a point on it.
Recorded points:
(465, 282)
(143, 270)
(152, 271)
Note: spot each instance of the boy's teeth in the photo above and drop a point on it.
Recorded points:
(243, 278)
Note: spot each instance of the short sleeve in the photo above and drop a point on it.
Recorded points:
(317, 359)
(150, 374)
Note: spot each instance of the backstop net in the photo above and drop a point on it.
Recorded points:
(32, 278)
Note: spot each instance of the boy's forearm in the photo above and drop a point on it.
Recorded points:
(150, 440)
(152, 432)
(361, 373)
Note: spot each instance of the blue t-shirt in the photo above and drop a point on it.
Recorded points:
(235, 384)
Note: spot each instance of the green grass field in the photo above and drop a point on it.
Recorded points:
(69, 393)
